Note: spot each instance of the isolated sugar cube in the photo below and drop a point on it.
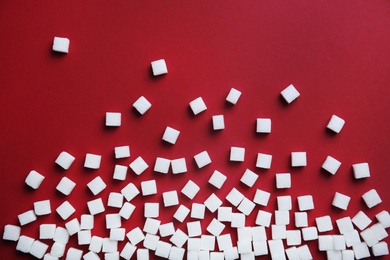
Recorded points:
(341, 201)
(74, 253)
(138, 165)
(113, 119)
(300, 219)
(42, 207)
(233, 96)
(120, 172)
(263, 125)
(130, 191)
(95, 206)
(179, 166)
(61, 44)
(361, 220)
(159, 67)
(34, 179)
(198, 210)
(179, 238)
(170, 135)
(65, 210)
(92, 161)
(249, 178)
(212, 203)
(371, 198)
(284, 202)
(197, 105)
(181, 213)
(61, 235)
(115, 200)
(97, 185)
(170, 198)
(11, 232)
(263, 218)
(235, 197)
(166, 229)
(324, 223)
(163, 249)
(148, 187)
(194, 229)
(218, 122)
(73, 226)
(151, 209)
(305, 202)
(283, 180)
(128, 251)
(290, 93)
(246, 206)
(361, 170)
(261, 197)
(122, 152)
(217, 179)
(331, 165)
(47, 231)
(237, 154)
(298, 159)
(335, 124)
(162, 165)
(65, 160)
(65, 186)
(142, 105)
(190, 189)
(202, 159)
(27, 217)
(263, 161)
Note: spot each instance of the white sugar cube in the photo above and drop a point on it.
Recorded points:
(97, 185)
(65, 186)
(335, 124)
(244, 233)
(57, 250)
(65, 160)
(181, 213)
(159, 67)
(276, 249)
(84, 237)
(194, 229)
(371, 198)
(38, 249)
(224, 242)
(198, 210)
(233, 96)
(380, 231)
(309, 233)
(284, 202)
(148, 187)
(65, 210)
(249, 178)
(170, 198)
(238, 220)
(258, 233)
(61, 44)
(293, 237)
(49, 257)
(384, 218)
(163, 249)
(92, 161)
(300, 219)
(244, 246)
(215, 227)
(91, 256)
(325, 243)
(347, 254)
(282, 217)
(109, 246)
(361, 251)
(151, 210)
(95, 206)
(235, 197)
(113, 221)
(341, 201)
(179, 238)
(72, 226)
(127, 210)
(115, 200)
(142, 105)
(218, 122)
(305, 202)
(11, 232)
(42, 207)
(120, 172)
(176, 253)
(331, 165)
(217, 179)
(352, 238)
(290, 93)
(122, 152)
(61, 235)
(190, 189)
(162, 165)
(237, 154)
(261, 197)
(138, 165)
(86, 221)
(197, 105)
(324, 223)
(24, 244)
(263, 125)
(212, 203)
(292, 253)
(34, 179)
(380, 249)
(130, 191)
(27, 217)
(166, 229)
(333, 254)
(339, 242)
(263, 161)
(369, 237)
(113, 119)
(143, 254)
(135, 236)
(202, 159)
(47, 231)
(128, 251)
(170, 135)
(207, 242)
(194, 244)
(74, 254)
(361, 220)
(263, 218)
(150, 241)
(246, 206)
(361, 170)
(283, 180)
(344, 225)
(232, 253)
(298, 159)
(151, 226)
(179, 166)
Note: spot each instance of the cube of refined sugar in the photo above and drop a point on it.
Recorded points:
(305, 202)
(258, 233)
(65, 160)
(113, 221)
(11, 232)
(65, 186)
(324, 223)
(49, 257)
(284, 202)
(207, 242)
(151, 210)
(163, 249)
(151, 226)
(249, 178)
(233, 96)
(380, 231)
(261, 197)
(344, 225)
(218, 122)
(361, 170)
(244, 233)
(138, 165)
(159, 67)
(42, 207)
(246, 206)
(96, 244)
(215, 227)
(212, 203)
(91, 256)
(74, 253)
(260, 247)
(339, 242)
(109, 245)
(95, 206)
(335, 124)
(47, 231)
(72, 226)
(282, 217)
(170, 135)
(143, 254)
(113, 119)
(247, 256)
(237, 154)
(276, 249)
(290, 93)
(225, 214)
(92, 161)
(309, 233)
(194, 229)
(179, 166)
(371, 198)
(34, 179)
(27, 217)
(61, 235)
(292, 253)
(148, 187)
(263, 161)
(86, 222)
(331, 165)
(304, 252)
(361, 251)
(57, 250)
(384, 218)
(176, 253)
(142, 105)
(202, 159)
(179, 238)
(122, 151)
(61, 44)
(162, 165)
(197, 105)
(120, 172)
(198, 210)
(333, 254)
(24, 244)
(263, 125)
(190, 189)
(347, 254)
(130, 191)
(217, 179)
(369, 237)
(263, 218)
(115, 200)
(65, 210)
(325, 243)
(341, 201)
(135, 236)
(127, 210)
(235, 197)
(217, 256)
(300, 219)
(170, 198)
(298, 159)
(244, 246)
(361, 220)
(97, 185)
(181, 213)
(117, 234)
(231, 253)
(238, 220)
(380, 249)
(352, 238)
(166, 229)
(194, 244)
(128, 251)
(224, 242)
(283, 180)
(84, 237)
(194, 255)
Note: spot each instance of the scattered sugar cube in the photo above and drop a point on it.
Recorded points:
(65, 160)
(292, 253)
(72, 226)
(300, 219)
(151, 210)
(369, 237)
(235, 197)
(263, 161)
(95, 206)
(244, 246)
(92, 161)
(135, 236)
(122, 152)
(65, 186)
(163, 249)
(224, 242)
(190, 189)
(341, 201)
(179, 238)
(207, 242)
(87, 222)
(361, 170)
(324, 223)
(127, 210)
(244, 233)
(142, 105)
(61, 44)
(290, 93)
(11, 232)
(120, 172)
(151, 226)
(197, 105)
(384, 218)
(84, 237)
(263, 218)
(143, 254)
(380, 231)
(42, 207)
(246, 206)
(170, 135)
(170, 198)
(194, 229)
(371, 198)
(249, 178)
(212, 203)
(284, 202)
(347, 254)
(215, 227)
(57, 250)
(97, 185)
(27, 217)
(331, 165)
(109, 246)
(128, 251)
(115, 200)
(74, 253)
(179, 166)
(305, 202)
(197, 210)
(309, 233)
(130, 191)
(335, 124)
(47, 231)
(325, 243)
(65, 210)
(113, 119)
(138, 165)
(380, 249)
(339, 242)
(261, 197)
(361, 220)
(218, 122)
(237, 154)
(34, 179)
(217, 179)
(344, 225)
(282, 217)
(24, 244)
(276, 249)
(159, 67)
(176, 253)
(263, 125)
(113, 221)
(61, 235)
(352, 238)
(181, 213)
(202, 159)
(258, 233)
(361, 251)
(91, 256)
(283, 180)
(238, 220)
(194, 244)
(148, 187)
(298, 159)
(162, 165)
(232, 253)
(166, 229)
(233, 96)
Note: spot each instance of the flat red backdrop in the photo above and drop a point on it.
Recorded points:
(336, 54)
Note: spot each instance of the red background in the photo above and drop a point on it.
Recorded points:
(336, 54)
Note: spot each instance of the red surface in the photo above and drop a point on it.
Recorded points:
(336, 54)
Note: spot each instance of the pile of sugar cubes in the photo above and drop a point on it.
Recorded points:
(358, 236)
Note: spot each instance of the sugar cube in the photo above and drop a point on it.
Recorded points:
(61, 44)
(284, 202)
(181, 213)
(197, 105)
(331, 165)
(87, 221)
(218, 122)
(170, 198)
(232, 253)
(278, 232)
(122, 152)
(24, 244)
(292, 253)
(335, 124)
(263, 125)
(151, 226)
(361, 251)
(235, 197)
(42, 207)
(65, 186)
(380, 231)
(276, 249)
(282, 217)
(34, 179)
(11, 232)
(300, 219)
(115, 200)
(352, 238)
(325, 243)
(130, 191)
(333, 254)
(127, 210)
(290, 93)
(263, 218)
(190, 189)
(215, 227)
(96, 244)
(176, 253)
(61, 235)
(233, 96)
(138, 165)
(109, 246)
(263, 161)
(324, 223)
(143, 254)
(197, 210)
(194, 229)
(249, 178)
(361, 220)
(113, 119)
(380, 249)
(344, 225)
(148, 187)
(170, 135)
(237, 154)
(74, 254)
(260, 247)
(120, 172)
(369, 237)
(371, 198)
(91, 256)
(162, 165)
(207, 242)
(97, 185)
(202, 159)
(113, 221)
(27, 217)
(258, 233)
(244, 233)
(57, 250)
(47, 231)
(348, 254)
(244, 246)
(135, 236)
(309, 233)
(293, 237)
(179, 238)
(166, 229)
(151, 210)
(212, 203)
(65, 160)
(384, 218)
(217, 179)
(179, 166)
(128, 251)
(305, 202)
(224, 242)
(92, 161)
(117, 234)
(238, 220)
(283, 180)
(163, 249)
(261, 197)
(246, 206)
(341, 201)
(159, 67)
(142, 105)
(73, 226)
(38, 249)
(95, 206)
(194, 244)
(298, 159)
(84, 237)
(361, 170)
(339, 242)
